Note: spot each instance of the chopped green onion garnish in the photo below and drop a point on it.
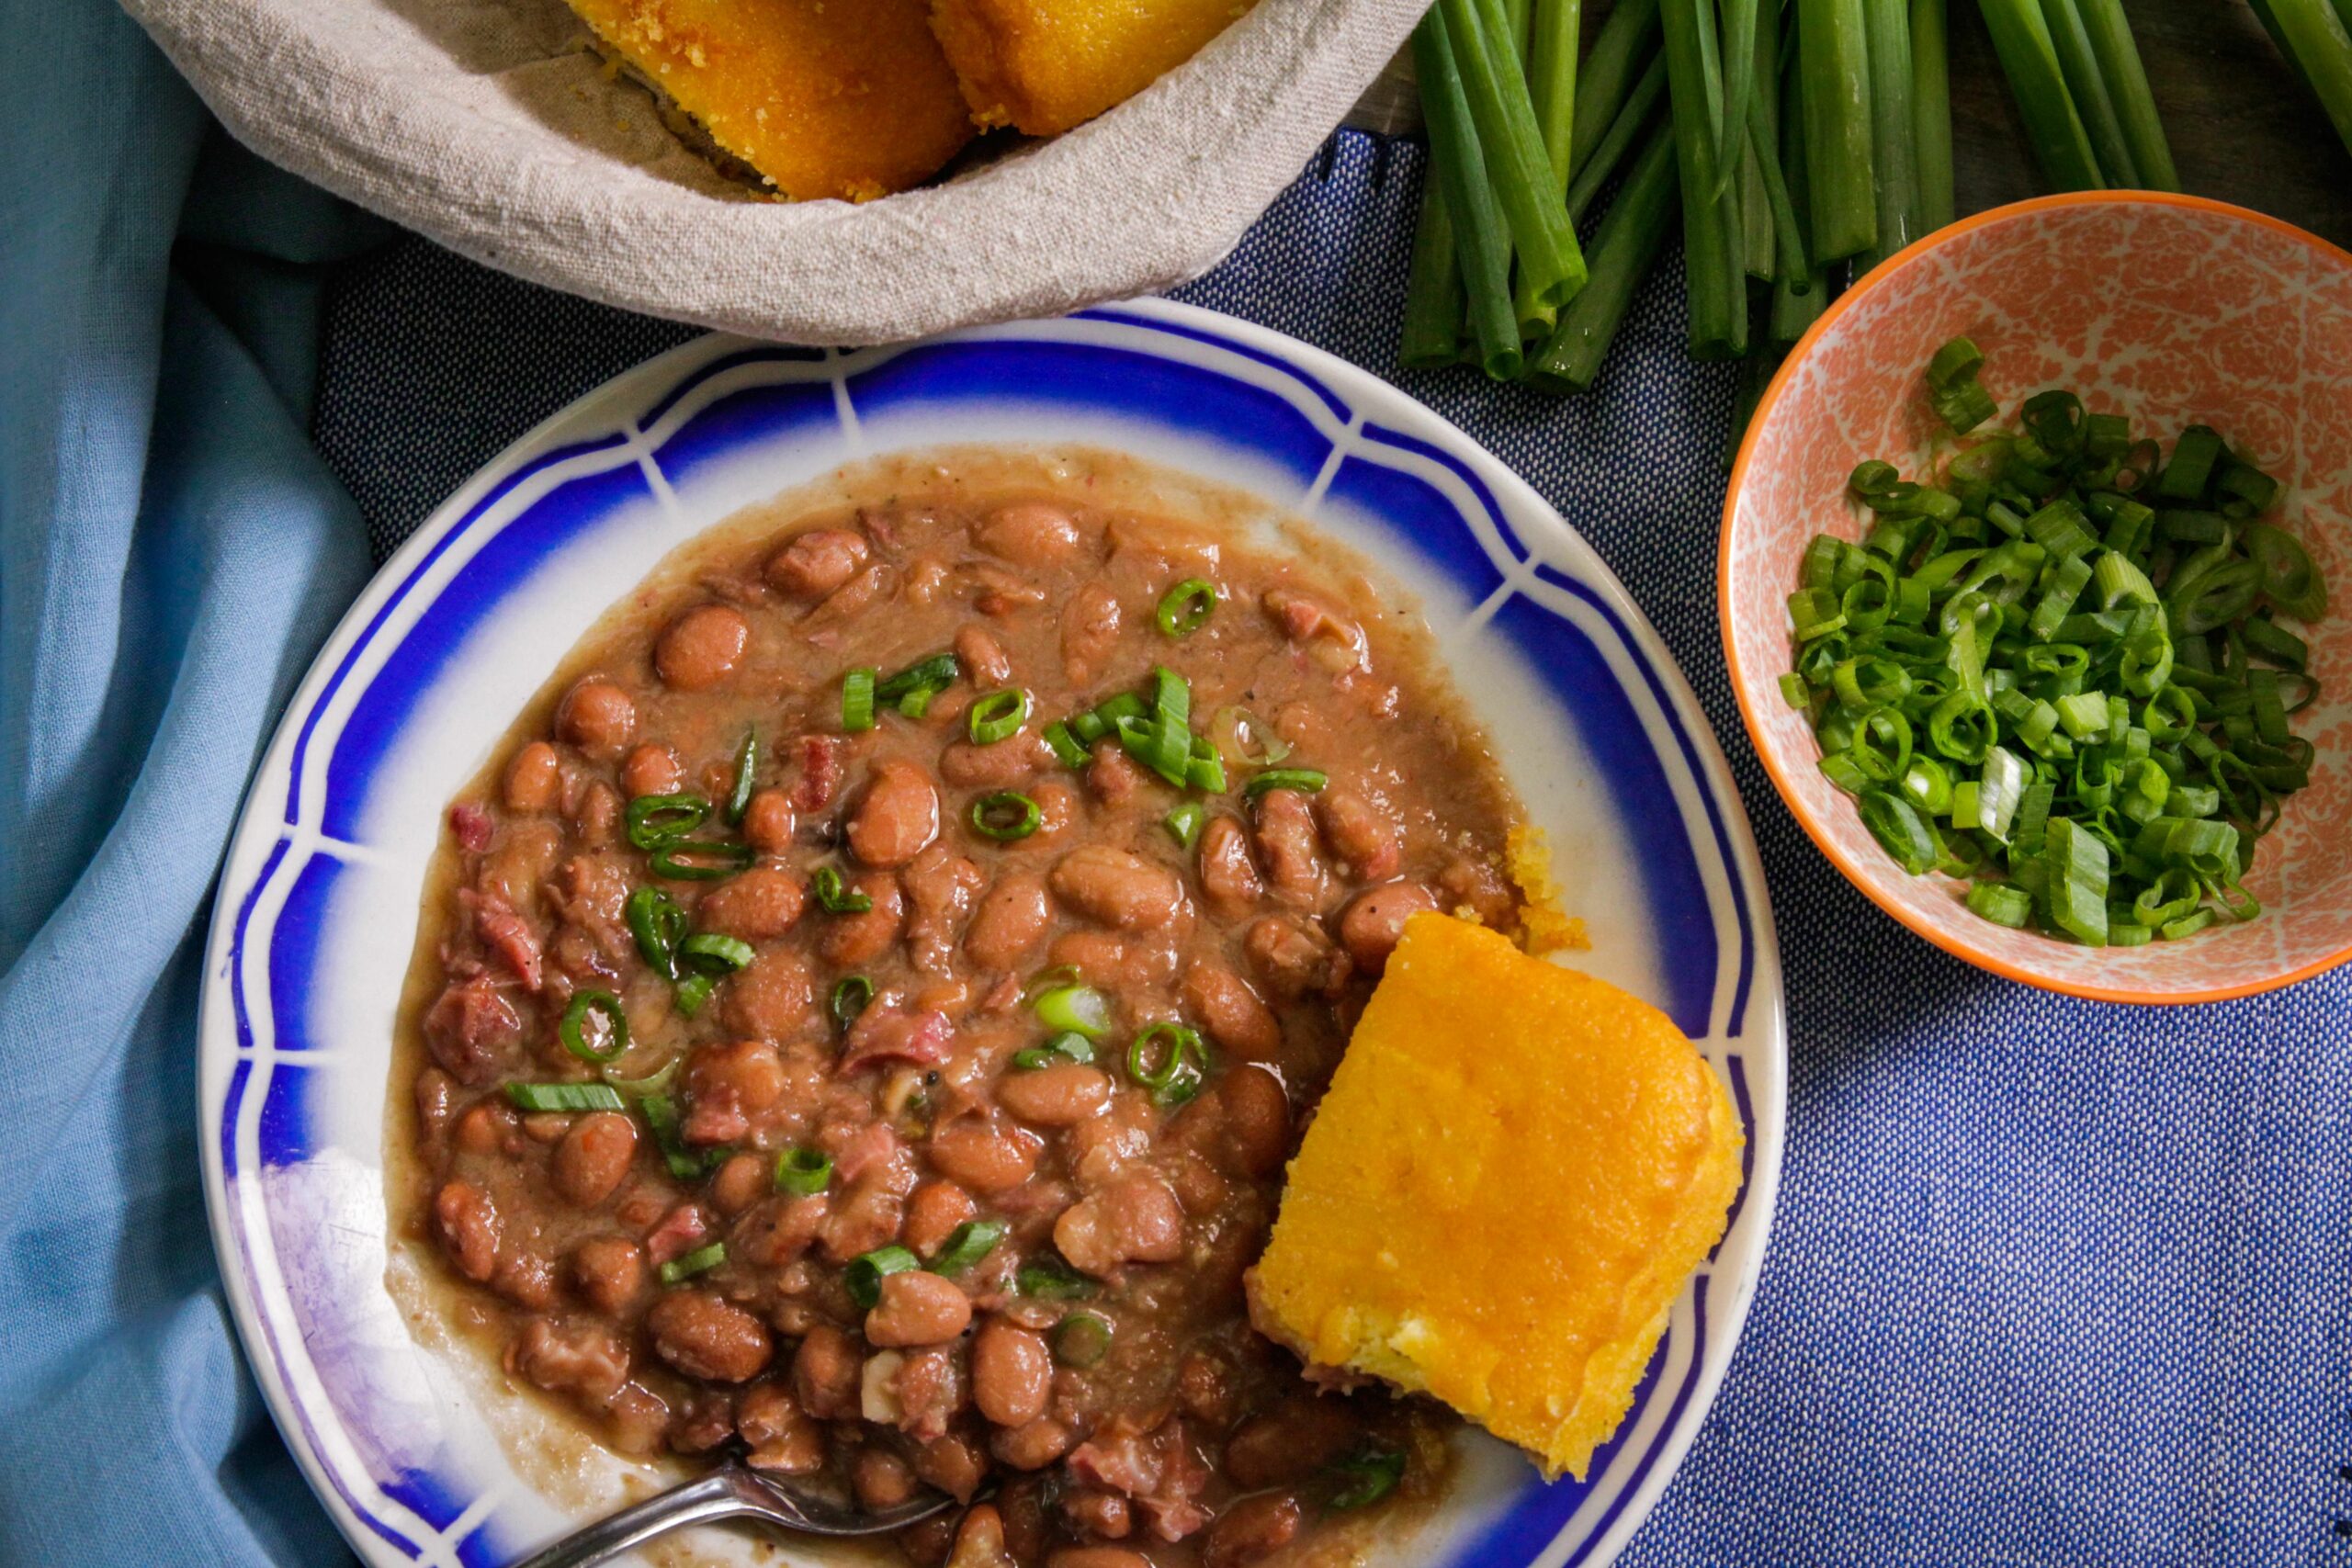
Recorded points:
(997, 717)
(911, 689)
(564, 1097)
(657, 820)
(1082, 1339)
(967, 1245)
(1364, 1477)
(2030, 677)
(857, 701)
(1184, 824)
(1006, 815)
(1306, 781)
(653, 1082)
(693, 991)
(701, 1260)
(573, 1029)
(700, 859)
(850, 998)
(1184, 608)
(1048, 1278)
(687, 1165)
(863, 1275)
(802, 1172)
(659, 925)
(1068, 1045)
(1081, 1009)
(747, 768)
(832, 897)
(1183, 1062)
(1063, 745)
(712, 953)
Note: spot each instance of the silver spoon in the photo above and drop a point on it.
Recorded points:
(733, 1490)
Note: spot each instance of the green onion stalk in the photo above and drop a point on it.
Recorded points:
(2087, 87)
(1715, 273)
(1632, 233)
(2317, 39)
(1833, 54)
(2127, 86)
(2029, 58)
(1481, 242)
(1887, 38)
(1607, 76)
(1931, 112)
(1512, 144)
(1552, 93)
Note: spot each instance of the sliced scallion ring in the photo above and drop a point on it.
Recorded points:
(701, 1260)
(573, 1028)
(851, 996)
(966, 1246)
(655, 821)
(997, 717)
(833, 897)
(864, 1274)
(1185, 608)
(1005, 816)
(545, 1097)
(802, 1173)
(1306, 781)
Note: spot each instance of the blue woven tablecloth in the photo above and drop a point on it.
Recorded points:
(2051, 1282)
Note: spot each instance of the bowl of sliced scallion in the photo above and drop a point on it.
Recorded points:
(2025, 579)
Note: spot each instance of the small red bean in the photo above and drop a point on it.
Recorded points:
(1257, 1120)
(898, 818)
(933, 1212)
(592, 1157)
(701, 648)
(608, 1271)
(1118, 889)
(596, 716)
(470, 1228)
(1251, 1529)
(1373, 922)
(533, 779)
(705, 1337)
(1097, 1557)
(768, 821)
(1058, 1095)
(825, 1372)
(852, 939)
(1236, 1016)
(1286, 841)
(815, 563)
(918, 1308)
(983, 1158)
(1028, 533)
(1011, 920)
(1229, 880)
(1013, 1373)
(881, 1479)
(651, 769)
(762, 903)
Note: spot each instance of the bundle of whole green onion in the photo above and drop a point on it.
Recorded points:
(2080, 89)
(2060, 671)
(1796, 133)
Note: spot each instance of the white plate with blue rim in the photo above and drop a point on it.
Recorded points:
(320, 900)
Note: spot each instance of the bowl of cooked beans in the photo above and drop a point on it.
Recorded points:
(800, 923)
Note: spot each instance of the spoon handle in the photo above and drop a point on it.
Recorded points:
(708, 1501)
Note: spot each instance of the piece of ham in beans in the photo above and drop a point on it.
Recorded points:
(820, 1079)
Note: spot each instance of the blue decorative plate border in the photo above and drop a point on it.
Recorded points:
(329, 839)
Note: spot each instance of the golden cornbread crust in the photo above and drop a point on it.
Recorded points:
(1045, 65)
(1514, 1172)
(849, 98)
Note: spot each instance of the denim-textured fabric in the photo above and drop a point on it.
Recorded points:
(2051, 1282)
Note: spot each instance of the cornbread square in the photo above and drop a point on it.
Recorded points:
(848, 98)
(1045, 65)
(1515, 1170)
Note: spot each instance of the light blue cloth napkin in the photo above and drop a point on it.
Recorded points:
(172, 553)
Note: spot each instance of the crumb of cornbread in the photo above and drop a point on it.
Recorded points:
(1544, 926)
(1514, 1172)
(1045, 65)
(823, 97)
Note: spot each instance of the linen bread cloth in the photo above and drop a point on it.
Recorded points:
(489, 126)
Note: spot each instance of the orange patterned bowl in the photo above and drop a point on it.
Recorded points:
(2170, 309)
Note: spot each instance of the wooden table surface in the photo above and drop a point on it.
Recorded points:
(2243, 128)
